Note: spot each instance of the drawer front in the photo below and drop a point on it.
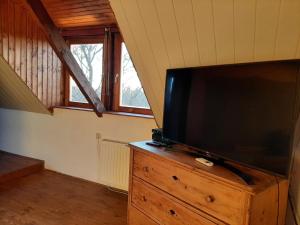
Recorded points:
(222, 202)
(160, 206)
(136, 217)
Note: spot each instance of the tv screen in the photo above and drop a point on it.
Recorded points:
(243, 112)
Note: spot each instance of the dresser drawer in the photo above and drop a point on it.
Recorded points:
(163, 208)
(223, 202)
(136, 217)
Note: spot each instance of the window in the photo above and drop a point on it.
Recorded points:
(131, 93)
(108, 67)
(89, 58)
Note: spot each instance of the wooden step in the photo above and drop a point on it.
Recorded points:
(14, 166)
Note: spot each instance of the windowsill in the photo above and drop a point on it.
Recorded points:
(107, 112)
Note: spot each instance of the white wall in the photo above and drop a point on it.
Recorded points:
(67, 140)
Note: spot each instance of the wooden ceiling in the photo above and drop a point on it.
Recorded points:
(80, 13)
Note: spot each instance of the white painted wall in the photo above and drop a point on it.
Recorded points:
(67, 140)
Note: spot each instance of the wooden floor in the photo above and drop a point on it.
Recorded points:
(14, 166)
(49, 198)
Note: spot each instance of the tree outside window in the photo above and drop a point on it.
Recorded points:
(132, 93)
(89, 58)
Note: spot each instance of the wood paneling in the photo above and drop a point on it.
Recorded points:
(25, 48)
(174, 33)
(80, 13)
(62, 49)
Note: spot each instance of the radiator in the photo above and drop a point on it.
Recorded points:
(113, 163)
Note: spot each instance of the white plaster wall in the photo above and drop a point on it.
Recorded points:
(67, 140)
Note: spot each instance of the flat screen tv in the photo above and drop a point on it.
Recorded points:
(243, 112)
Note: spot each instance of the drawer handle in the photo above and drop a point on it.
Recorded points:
(146, 169)
(172, 212)
(144, 199)
(210, 198)
(175, 178)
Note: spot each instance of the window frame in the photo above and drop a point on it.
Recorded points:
(118, 40)
(71, 41)
(111, 79)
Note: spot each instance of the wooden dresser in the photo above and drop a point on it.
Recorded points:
(170, 187)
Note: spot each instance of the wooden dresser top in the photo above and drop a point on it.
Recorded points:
(178, 155)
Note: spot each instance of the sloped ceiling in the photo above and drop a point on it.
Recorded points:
(163, 34)
(14, 93)
(80, 13)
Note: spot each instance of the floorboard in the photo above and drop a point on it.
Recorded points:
(49, 198)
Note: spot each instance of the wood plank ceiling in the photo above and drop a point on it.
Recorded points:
(80, 13)
(181, 33)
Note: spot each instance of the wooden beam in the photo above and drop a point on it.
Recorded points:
(87, 31)
(65, 55)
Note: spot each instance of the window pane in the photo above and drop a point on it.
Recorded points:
(132, 93)
(89, 58)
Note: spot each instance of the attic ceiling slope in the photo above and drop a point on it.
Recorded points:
(14, 93)
(175, 33)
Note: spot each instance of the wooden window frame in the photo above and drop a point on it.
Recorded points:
(70, 41)
(118, 40)
(110, 93)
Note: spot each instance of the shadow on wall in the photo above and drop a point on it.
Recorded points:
(17, 126)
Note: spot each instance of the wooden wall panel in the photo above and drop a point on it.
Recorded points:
(29, 51)
(153, 29)
(206, 40)
(267, 17)
(25, 48)
(288, 23)
(175, 33)
(166, 15)
(4, 31)
(184, 17)
(244, 26)
(224, 30)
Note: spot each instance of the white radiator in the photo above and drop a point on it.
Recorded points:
(113, 163)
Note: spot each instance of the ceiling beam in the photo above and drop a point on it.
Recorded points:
(64, 53)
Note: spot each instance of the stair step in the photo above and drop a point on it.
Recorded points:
(14, 166)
